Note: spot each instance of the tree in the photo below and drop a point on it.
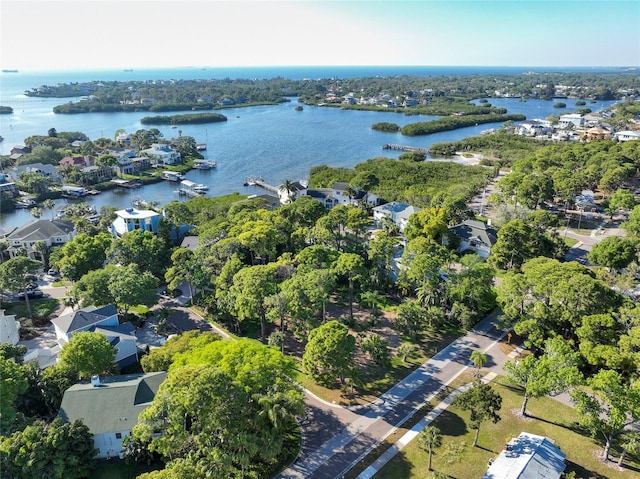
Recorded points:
(408, 351)
(160, 359)
(48, 204)
(14, 383)
(82, 254)
(328, 355)
(484, 404)
(609, 407)
(613, 252)
(429, 438)
(87, 353)
(378, 348)
(128, 286)
(143, 248)
(630, 443)
(56, 451)
(15, 276)
(251, 288)
(35, 183)
(93, 287)
(554, 372)
(479, 359)
(183, 269)
(350, 265)
(632, 225)
(288, 189)
(410, 319)
(620, 200)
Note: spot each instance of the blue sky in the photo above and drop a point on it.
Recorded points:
(44, 35)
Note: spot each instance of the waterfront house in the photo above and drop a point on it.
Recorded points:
(75, 161)
(50, 232)
(8, 189)
(20, 150)
(9, 328)
(162, 154)
(534, 128)
(104, 321)
(48, 171)
(110, 407)
(398, 213)
(527, 456)
(297, 189)
(475, 236)
(574, 120)
(131, 219)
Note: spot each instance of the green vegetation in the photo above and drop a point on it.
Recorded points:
(456, 457)
(385, 126)
(191, 119)
(559, 105)
(455, 122)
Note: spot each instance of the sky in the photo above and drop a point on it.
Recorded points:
(96, 34)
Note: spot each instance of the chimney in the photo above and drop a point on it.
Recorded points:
(95, 381)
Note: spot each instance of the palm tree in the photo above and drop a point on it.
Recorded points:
(479, 359)
(288, 188)
(630, 443)
(42, 249)
(430, 438)
(371, 298)
(4, 246)
(408, 350)
(48, 204)
(36, 212)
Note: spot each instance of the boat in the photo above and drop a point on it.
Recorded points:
(201, 146)
(203, 164)
(9, 71)
(200, 188)
(172, 176)
(22, 204)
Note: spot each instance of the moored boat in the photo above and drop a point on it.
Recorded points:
(172, 176)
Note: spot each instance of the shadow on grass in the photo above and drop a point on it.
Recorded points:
(450, 424)
(398, 466)
(581, 471)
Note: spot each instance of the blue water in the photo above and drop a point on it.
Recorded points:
(275, 142)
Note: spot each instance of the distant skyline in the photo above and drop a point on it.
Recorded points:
(101, 34)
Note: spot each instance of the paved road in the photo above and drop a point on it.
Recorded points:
(335, 438)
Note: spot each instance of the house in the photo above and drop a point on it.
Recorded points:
(534, 128)
(399, 213)
(627, 135)
(339, 194)
(131, 219)
(104, 321)
(574, 120)
(20, 150)
(528, 456)
(596, 133)
(296, 190)
(476, 236)
(48, 171)
(51, 232)
(75, 161)
(110, 407)
(162, 154)
(9, 328)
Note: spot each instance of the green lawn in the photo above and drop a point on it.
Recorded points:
(43, 309)
(456, 458)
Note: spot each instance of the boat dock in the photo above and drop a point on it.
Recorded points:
(189, 188)
(262, 184)
(390, 146)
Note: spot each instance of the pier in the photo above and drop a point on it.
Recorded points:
(391, 146)
(262, 184)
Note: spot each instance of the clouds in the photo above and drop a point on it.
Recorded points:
(122, 33)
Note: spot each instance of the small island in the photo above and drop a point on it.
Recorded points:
(6, 110)
(190, 119)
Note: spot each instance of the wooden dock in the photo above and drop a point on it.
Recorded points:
(391, 146)
(262, 184)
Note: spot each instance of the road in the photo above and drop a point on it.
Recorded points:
(336, 438)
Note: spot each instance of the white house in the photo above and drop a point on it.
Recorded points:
(131, 219)
(399, 213)
(571, 120)
(527, 456)
(51, 232)
(627, 135)
(110, 407)
(163, 154)
(9, 328)
(534, 128)
(104, 321)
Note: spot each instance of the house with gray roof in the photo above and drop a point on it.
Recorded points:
(528, 456)
(399, 213)
(475, 236)
(104, 321)
(110, 407)
(51, 232)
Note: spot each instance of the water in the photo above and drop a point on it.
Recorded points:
(274, 142)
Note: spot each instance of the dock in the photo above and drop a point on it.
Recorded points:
(391, 146)
(187, 189)
(262, 184)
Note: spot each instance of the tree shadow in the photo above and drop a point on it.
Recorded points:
(451, 424)
(581, 471)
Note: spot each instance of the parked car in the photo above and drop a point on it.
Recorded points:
(32, 293)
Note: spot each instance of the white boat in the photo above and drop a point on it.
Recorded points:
(200, 187)
(203, 164)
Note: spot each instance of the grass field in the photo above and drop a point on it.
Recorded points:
(457, 459)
